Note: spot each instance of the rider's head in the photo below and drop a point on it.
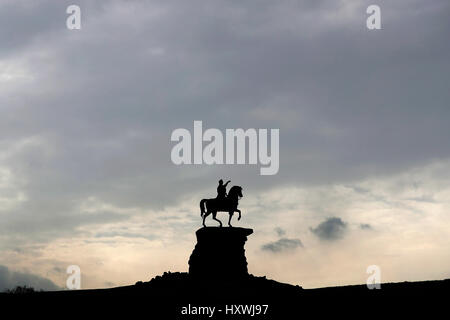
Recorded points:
(220, 181)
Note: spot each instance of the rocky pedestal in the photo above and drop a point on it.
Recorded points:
(219, 253)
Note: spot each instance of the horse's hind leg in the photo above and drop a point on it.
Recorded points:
(229, 219)
(214, 217)
(204, 217)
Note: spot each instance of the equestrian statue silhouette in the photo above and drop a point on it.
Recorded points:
(223, 202)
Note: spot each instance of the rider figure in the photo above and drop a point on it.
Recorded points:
(222, 189)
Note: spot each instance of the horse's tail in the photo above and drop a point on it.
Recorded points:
(202, 207)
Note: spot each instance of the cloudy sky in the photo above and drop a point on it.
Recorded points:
(86, 117)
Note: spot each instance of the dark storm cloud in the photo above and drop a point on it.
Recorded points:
(331, 229)
(102, 102)
(11, 279)
(281, 245)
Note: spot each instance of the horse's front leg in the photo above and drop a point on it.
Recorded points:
(229, 219)
(239, 218)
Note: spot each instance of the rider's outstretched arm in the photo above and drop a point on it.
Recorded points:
(227, 183)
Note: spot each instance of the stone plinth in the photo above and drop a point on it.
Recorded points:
(219, 253)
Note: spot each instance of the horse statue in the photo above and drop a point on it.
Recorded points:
(228, 204)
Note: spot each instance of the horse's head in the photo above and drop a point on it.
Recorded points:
(235, 191)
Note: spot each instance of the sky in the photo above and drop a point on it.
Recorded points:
(86, 176)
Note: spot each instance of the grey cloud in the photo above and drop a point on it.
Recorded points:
(281, 245)
(37, 18)
(365, 226)
(331, 229)
(280, 231)
(58, 269)
(423, 198)
(10, 279)
(112, 234)
(349, 103)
